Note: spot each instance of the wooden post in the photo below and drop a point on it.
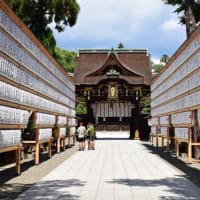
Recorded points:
(58, 144)
(37, 147)
(17, 149)
(63, 143)
(69, 140)
(156, 139)
(190, 145)
(167, 138)
(18, 157)
(168, 133)
(49, 148)
(74, 139)
(177, 147)
(162, 142)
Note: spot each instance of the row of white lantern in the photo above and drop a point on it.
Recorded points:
(185, 54)
(10, 115)
(10, 47)
(184, 102)
(43, 118)
(62, 120)
(163, 131)
(13, 94)
(154, 121)
(13, 137)
(183, 72)
(177, 118)
(62, 131)
(12, 72)
(72, 113)
(153, 129)
(184, 86)
(182, 118)
(72, 122)
(16, 32)
(45, 133)
(47, 119)
(182, 133)
(10, 137)
(164, 120)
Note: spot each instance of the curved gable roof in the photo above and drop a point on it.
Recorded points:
(92, 64)
(112, 61)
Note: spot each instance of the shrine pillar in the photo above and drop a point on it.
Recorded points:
(134, 126)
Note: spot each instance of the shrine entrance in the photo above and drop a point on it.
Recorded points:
(112, 90)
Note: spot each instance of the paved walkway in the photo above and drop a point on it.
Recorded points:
(116, 170)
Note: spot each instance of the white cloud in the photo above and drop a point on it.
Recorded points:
(135, 23)
(170, 25)
(109, 19)
(155, 60)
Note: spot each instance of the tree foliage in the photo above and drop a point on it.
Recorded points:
(156, 68)
(38, 14)
(120, 45)
(66, 59)
(190, 10)
(164, 59)
(81, 109)
(147, 107)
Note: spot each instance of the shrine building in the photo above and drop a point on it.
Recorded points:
(113, 85)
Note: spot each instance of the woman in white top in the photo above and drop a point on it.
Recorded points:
(81, 136)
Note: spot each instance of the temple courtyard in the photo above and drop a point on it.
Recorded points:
(117, 169)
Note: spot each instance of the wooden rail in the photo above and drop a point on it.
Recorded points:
(17, 149)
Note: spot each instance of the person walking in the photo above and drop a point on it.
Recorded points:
(81, 136)
(91, 136)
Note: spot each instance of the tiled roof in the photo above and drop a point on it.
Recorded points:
(91, 61)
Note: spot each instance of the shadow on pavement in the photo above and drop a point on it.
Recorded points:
(11, 191)
(191, 173)
(173, 185)
(53, 190)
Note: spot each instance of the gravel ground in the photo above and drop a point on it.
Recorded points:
(11, 185)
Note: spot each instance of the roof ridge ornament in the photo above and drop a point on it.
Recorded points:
(112, 51)
(112, 72)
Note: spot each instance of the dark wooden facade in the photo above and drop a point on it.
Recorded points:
(113, 84)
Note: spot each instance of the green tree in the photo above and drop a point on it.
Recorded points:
(81, 109)
(120, 45)
(156, 68)
(147, 107)
(190, 12)
(66, 59)
(164, 59)
(38, 14)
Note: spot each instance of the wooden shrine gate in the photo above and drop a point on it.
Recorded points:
(113, 85)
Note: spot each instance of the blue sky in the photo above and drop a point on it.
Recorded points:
(136, 23)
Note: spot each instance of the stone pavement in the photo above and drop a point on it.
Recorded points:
(116, 170)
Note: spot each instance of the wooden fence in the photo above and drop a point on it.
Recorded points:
(36, 95)
(175, 96)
